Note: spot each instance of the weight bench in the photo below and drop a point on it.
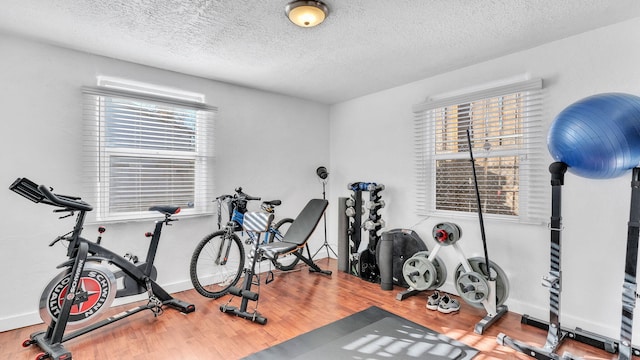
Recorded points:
(296, 238)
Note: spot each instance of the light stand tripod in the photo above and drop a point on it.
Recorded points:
(322, 174)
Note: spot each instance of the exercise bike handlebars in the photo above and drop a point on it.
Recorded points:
(69, 202)
(42, 194)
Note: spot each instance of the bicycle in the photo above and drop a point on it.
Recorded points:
(218, 260)
(87, 286)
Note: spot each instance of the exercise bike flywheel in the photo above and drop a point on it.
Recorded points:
(96, 289)
(473, 287)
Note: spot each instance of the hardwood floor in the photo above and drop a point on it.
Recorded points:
(296, 302)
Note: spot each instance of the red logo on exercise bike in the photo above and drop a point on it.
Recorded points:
(95, 291)
(89, 296)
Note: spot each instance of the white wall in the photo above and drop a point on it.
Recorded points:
(267, 143)
(371, 140)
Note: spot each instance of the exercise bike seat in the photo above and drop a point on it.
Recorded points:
(300, 230)
(166, 209)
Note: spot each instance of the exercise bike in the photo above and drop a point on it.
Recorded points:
(87, 286)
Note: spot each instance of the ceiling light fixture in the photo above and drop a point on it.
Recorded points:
(307, 13)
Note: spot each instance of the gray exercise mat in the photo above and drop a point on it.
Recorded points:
(370, 334)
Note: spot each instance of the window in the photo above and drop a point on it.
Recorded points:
(505, 129)
(143, 149)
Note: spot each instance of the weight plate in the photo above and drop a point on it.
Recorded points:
(419, 272)
(472, 287)
(438, 264)
(478, 265)
(422, 274)
(424, 253)
(441, 271)
(446, 233)
(96, 289)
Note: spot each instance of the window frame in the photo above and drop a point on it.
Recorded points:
(530, 153)
(98, 155)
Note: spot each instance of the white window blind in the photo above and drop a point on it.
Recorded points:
(143, 150)
(505, 125)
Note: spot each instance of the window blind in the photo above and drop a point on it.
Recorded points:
(505, 125)
(143, 150)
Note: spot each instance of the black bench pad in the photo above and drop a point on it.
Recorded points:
(300, 230)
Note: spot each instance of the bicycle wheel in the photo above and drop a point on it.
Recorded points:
(217, 264)
(288, 261)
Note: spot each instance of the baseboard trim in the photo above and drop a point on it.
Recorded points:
(33, 318)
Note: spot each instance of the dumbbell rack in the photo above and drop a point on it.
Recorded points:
(364, 264)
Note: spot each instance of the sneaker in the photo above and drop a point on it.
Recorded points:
(433, 300)
(448, 305)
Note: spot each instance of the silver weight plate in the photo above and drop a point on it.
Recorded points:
(472, 287)
(442, 272)
(421, 274)
(446, 233)
(441, 269)
(96, 289)
(478, 265)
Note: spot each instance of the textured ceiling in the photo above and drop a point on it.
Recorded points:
(364, 46)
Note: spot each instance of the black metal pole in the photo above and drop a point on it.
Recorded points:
(475, 183)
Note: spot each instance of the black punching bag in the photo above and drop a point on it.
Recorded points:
(404, 244)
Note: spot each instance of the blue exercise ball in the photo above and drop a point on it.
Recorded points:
(598, 137)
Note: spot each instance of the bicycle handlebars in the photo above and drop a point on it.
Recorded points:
(239, 195)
